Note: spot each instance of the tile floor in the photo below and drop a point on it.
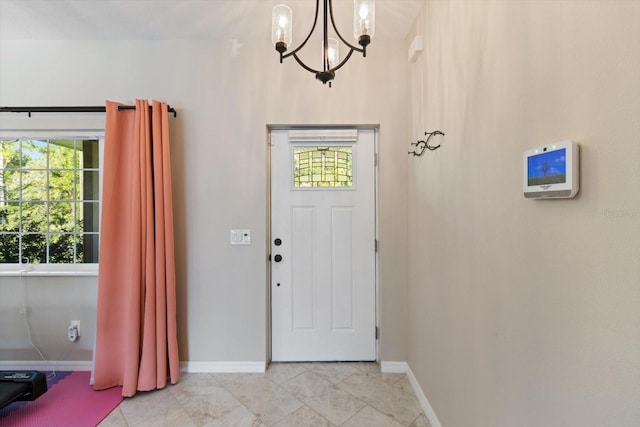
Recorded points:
(288, 394)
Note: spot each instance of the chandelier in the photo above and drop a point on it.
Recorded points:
(363, 29)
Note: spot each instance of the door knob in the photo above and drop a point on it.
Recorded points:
(277, 242)
(277, 258)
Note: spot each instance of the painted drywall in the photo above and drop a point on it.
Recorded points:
(225, 100)
(29, 312)
(526, 312)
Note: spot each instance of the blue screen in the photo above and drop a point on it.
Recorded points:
(547, 168)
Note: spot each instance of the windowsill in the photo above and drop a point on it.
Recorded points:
(43, 270)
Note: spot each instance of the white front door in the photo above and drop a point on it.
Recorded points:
(323, 245)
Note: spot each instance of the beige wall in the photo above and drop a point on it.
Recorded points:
(525, 312)
(51, 304)
(219, 151)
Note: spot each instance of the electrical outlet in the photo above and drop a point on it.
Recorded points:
(73, 331)
(76, 323)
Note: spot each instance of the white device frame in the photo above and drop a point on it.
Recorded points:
(554, 190)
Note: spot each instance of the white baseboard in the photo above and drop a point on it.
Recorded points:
(426, 406)
(45, 365)
(393, 367)
(403, 368)
(223, 367)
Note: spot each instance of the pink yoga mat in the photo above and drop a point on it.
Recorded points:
(71, 402)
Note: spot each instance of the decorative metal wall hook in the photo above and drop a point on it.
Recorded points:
(424, 145)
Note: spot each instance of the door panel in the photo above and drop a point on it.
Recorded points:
(342, 268)
(303, 304)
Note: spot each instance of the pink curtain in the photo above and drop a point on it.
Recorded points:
(136, 338)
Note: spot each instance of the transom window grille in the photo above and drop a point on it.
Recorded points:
(323, 166)
(49, 201)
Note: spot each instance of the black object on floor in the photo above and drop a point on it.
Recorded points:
(21, 385)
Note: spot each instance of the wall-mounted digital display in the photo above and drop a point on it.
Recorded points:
(551, 171)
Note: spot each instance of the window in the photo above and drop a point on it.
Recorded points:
(323, 166)
(49, 200)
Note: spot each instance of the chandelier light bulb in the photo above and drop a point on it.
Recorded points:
(363, 11)
(282, 24)
(333, 53)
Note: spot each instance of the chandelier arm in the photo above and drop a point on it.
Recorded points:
(344, 61)
(303, 65)
(313, 27)
(335, 28)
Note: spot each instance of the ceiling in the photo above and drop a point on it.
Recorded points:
(182, 19)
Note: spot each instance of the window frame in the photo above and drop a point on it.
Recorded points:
(61, 269)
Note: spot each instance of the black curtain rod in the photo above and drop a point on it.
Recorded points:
(96, 109)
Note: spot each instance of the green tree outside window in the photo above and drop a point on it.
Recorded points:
(49, 201)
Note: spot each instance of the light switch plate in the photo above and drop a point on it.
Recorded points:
(240, 237)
